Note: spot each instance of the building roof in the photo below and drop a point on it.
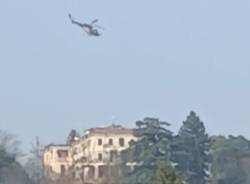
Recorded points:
(113, 129)
(61, 146)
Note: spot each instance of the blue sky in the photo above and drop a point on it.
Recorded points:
(156, 58)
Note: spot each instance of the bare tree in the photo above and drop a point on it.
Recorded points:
(34, 164)
(10, 144)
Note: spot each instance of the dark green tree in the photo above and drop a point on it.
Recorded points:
(9, 151)
(192, 151)
(5, 159)
(11, 172)
(73, 136)
(165, 174)
(153, 144)
(10, 144)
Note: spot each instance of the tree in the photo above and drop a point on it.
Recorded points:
(10, 144)
(165, 174)
(34, 165)
(10, 170)
(153, 144)
(5, 159)
(13, 173)
(231, 160)
(192, 146)
(73, 136)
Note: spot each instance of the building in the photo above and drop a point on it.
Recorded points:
(88, 158)
(57, 159)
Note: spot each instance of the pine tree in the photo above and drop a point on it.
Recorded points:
(154, 144)
(192, 151)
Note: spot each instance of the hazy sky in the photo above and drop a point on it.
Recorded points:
(157, 58)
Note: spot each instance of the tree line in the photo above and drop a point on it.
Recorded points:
(159, 156)
(191, 156)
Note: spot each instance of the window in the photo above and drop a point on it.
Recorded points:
(63, 170)
(62, 153)
(121, 142)
(100, 157)
(113, 155)
(90, 172)
(84, 159)
(102, 171)
(110, 141)
(74, 174)
(82, 176)
(99, 142)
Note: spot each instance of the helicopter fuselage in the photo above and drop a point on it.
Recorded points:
(90, 30)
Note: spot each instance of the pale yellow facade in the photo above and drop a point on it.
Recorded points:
(88, 156)
(54, 162)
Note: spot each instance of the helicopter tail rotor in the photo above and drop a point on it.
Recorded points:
(70, 17)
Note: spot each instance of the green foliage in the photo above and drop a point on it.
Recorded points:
(10, 144)
(5, 159)
(11, 172)
(191, 154)
(231, 160)
(154, 144)
(14, 174)
(165, 174)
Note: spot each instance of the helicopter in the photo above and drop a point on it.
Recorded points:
(88, 28)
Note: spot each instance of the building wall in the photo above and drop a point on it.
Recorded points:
(53, 162)
(88, 156)
(97, 144)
